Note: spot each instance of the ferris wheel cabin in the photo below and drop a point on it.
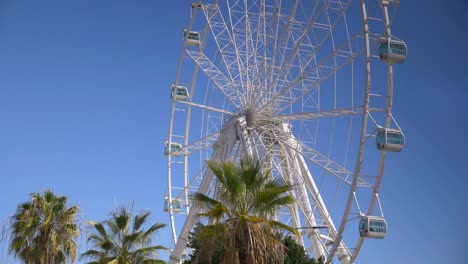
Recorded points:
(175, 205)
(372, 227)
(192, 38)
(393, 51)
(390, 139)
(174, 150)
(179, 93)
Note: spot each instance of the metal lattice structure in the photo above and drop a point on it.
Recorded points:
(299, 86)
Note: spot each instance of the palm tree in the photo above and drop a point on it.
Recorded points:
(124, 241)
(242, 214)
(44, 230)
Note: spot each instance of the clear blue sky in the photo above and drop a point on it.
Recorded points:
(84, 111)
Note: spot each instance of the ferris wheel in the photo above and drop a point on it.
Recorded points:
(306, 88)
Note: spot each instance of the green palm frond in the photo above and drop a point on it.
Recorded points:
(143, 254)
(284, 227)
(153, 261)
(202, 201)
(233, 183)
(131, 238)
(216, 212)
(122, 220)
(253, 219)
(138, 220)
(217, 171)
(93, 253)
(154, 228)
(99, 227)
(123, 239)
(112, 225)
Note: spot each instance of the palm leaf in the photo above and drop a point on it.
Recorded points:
(138, 220)
(216, 212)
(202, 201)
(123, 239)
(99, 227)
(284, 227)
(153, 229)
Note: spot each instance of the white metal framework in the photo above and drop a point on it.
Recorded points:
(288, 82)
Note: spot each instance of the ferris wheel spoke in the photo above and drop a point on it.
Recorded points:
(299, 36)
(309, 153)
(205, 107)
(246, 30)
(357, 110)
(216, 76)
(266, 40)
(280, 37)
(242, 38)
(260, 22)
(308, 51)
(331, 166)
(259, 42)
(329, 26)
(200, 144)
(327, 68)
(224, 42)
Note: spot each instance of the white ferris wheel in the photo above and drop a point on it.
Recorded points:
(305, 87)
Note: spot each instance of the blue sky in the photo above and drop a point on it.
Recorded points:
(84, 110)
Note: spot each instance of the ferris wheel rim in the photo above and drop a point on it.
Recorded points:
(365, 113)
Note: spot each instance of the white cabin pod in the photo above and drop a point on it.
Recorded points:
(175, 205)
(393, 51)
(179, 93)
(390, 139)
(173, 150)
(192, 38)
(372, 227)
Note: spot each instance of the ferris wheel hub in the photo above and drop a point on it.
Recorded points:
(250, 116)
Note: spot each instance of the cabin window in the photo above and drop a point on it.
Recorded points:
(193, 36)
(398, 48)
(377, 226)
(362, 225)
(395, 138)
(381, 136)
(174, 149)
(181, 92)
